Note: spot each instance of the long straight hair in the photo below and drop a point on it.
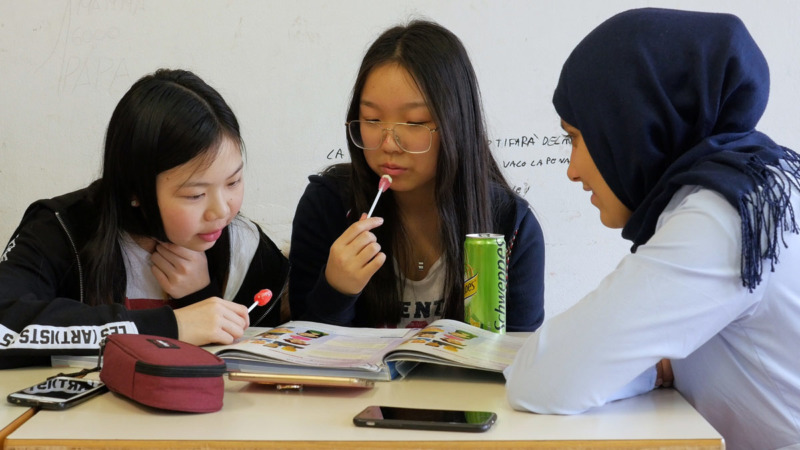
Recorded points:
(166, 119)
(466, 170)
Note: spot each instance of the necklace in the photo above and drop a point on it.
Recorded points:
(421, 266)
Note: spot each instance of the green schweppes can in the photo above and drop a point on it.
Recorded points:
(485, 280)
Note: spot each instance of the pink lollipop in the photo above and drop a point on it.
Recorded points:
(262, 298)
(386, 181)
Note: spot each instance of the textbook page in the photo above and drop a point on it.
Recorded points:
(455, 343)
(313, 348)
(310, 348)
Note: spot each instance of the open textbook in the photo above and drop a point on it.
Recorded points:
(310, 348)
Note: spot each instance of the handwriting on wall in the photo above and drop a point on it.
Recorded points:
(532, 140)
(522, 154)
(84, 33)
(518, 152)
(337, 154)
(525, 151)
(535, 162)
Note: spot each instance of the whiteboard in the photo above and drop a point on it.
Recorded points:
(287, 69)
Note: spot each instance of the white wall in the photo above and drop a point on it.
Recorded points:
(287, 68)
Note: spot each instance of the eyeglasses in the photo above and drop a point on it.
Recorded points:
(410, 137)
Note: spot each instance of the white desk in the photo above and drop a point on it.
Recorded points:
(255, 415)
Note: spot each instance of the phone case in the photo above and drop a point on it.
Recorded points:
(45, 401)
(473, 421)
(299, 381)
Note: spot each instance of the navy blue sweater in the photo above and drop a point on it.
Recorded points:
(321, 217)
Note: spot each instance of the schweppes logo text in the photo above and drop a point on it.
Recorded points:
(470, 287)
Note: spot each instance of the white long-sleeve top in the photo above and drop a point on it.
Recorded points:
(735, 354)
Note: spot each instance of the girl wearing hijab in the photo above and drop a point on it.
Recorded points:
(661, 107)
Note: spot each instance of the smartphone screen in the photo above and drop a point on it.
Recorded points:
(424, 419)
(58, 393)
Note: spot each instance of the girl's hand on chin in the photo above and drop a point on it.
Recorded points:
(178, 270)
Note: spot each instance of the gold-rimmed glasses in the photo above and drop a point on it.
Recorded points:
(410, 137)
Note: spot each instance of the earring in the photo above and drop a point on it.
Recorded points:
(135, 203)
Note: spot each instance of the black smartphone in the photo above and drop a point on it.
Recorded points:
(58, 393)
(424, 419)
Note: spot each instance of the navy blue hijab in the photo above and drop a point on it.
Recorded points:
(667, 98)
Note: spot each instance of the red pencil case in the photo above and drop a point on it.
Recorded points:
(163, 373)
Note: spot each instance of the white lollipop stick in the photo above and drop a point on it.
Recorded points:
(386, 181)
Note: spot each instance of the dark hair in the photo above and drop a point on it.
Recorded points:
(466, 170)
(164, 120)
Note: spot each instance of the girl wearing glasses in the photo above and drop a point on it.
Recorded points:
(710, 205)
(147, 248)
(416, 116)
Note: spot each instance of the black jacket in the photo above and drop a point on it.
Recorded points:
(43, 308)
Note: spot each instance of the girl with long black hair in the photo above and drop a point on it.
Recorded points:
(155, 246)
(416, 116)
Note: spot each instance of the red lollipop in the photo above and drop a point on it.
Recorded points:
(262, 298)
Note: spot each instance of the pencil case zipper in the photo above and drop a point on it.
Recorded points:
(179, 371)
